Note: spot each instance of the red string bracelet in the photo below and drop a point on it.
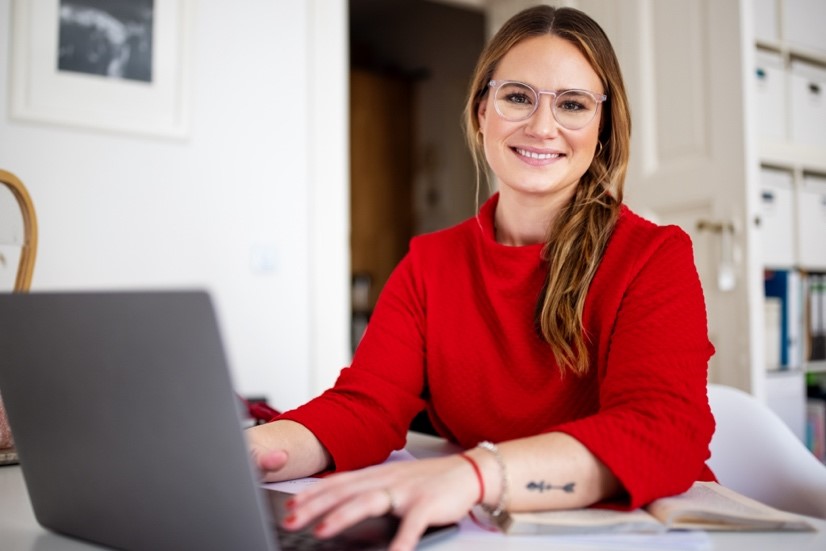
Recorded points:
(478, 476)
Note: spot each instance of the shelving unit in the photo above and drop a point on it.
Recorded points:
(790, 82)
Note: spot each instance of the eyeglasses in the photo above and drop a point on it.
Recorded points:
(517, 101)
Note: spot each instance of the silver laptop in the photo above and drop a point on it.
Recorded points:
(128, 430)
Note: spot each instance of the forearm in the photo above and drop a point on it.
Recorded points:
(305, 455)
(548, 471)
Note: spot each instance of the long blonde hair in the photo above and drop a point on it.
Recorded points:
(577, 238)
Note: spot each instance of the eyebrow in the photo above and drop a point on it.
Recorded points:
(538, 89)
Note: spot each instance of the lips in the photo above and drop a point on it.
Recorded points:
(536, 155)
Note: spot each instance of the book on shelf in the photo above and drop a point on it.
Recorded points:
(705, 506)
(816, 427)
(815, 341)
(772, 307)
(785, 286)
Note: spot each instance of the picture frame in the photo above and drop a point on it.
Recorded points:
(156, 105)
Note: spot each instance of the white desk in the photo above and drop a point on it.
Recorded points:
(19, 530)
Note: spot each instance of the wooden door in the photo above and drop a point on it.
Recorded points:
(381, 175)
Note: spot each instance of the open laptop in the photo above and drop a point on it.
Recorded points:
(127, 427)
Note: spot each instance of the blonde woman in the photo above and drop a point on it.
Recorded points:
(558, 337)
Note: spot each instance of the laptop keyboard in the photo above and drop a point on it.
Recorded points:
(304, 541)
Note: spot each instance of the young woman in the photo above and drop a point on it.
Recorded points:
(556, 324)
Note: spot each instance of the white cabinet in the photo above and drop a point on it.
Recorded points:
(807, 102)
(766, 20)
(770, 83)
(811, 221)
(803, 23)
(777, 217)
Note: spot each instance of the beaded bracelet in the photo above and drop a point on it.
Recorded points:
(503, 496)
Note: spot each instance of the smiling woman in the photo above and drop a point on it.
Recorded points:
(556, 336)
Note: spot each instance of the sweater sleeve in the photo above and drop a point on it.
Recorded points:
(367, 413)
(654, 423)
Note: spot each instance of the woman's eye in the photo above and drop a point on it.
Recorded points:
(519, 99)
(571, 105)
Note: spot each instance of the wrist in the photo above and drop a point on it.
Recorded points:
(494, 475)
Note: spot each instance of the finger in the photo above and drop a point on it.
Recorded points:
(309, 504)
(410, 530)
(338, 487)
(374, 503)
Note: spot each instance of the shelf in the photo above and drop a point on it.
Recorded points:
(791, 51)
(783, 373)
(816, 367)
(806, 158)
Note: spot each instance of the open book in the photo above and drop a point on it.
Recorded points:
(705, 506)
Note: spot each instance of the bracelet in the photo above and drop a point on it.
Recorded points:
(478, 476)
(503, 496)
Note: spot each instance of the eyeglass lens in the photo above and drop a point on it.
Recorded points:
(573, 109)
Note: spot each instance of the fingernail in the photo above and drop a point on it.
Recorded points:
(290, 504)
(319, 529)
(289, 519)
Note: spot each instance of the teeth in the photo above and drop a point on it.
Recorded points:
(534, 155)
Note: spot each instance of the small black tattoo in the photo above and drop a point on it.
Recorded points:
(543, 486)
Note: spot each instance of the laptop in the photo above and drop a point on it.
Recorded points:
(127, 428)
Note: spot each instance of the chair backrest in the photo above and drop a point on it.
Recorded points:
(28, 247)
(753, 452)
(25, 260)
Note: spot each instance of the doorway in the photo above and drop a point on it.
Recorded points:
(411, 172)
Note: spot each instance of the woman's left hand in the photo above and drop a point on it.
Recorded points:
(422, 493)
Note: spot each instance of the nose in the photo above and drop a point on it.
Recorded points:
(542, 123)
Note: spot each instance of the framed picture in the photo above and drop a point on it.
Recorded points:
(119, 65)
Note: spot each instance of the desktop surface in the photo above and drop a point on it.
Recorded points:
(19, 530)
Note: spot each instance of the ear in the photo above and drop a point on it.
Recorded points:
(482, 111)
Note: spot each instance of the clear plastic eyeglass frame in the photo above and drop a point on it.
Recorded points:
(572, 120)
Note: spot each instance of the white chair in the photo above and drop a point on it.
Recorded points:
(753, 452)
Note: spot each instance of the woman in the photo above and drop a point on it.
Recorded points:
(556, 323)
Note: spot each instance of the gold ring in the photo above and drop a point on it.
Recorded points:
(391, 501)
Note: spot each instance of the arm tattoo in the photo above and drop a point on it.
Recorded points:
(543, 486)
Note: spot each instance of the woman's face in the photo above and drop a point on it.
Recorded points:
(537, 157)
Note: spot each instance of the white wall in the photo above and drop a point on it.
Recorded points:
(263, 171)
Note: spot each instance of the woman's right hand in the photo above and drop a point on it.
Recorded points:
(283, 450)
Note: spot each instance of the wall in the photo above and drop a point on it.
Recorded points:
(240, 208)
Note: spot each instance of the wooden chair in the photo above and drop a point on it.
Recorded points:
(28, 250)
(23, 279)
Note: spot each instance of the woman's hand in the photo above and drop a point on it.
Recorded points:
(283, 450)
(422, 493)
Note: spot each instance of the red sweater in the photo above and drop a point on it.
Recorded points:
(453, 331)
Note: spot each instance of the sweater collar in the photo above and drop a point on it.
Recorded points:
(487, 223)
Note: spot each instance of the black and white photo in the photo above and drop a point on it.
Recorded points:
(110, 38)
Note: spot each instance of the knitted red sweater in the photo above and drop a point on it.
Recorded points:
(453, 331)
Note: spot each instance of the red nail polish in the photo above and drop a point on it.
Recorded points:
(290, 504)
(289, 519)
(319, 528)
